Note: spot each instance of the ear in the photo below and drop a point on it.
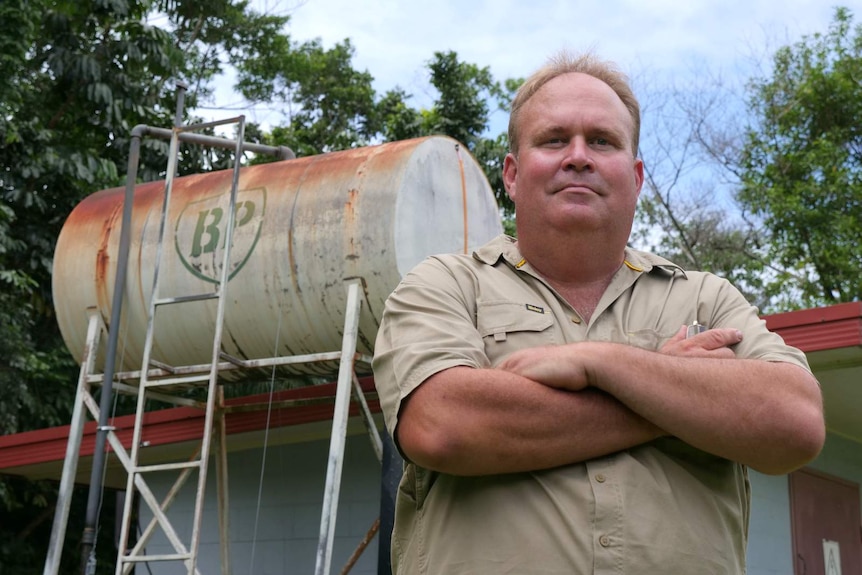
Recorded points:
(639, 174)
(510, 175)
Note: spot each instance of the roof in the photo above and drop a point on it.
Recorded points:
(300, 414)
(818, 329)
(831, 338)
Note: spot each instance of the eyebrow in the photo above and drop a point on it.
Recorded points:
(595, 132)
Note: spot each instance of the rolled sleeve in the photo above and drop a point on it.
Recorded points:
(731, 309)
(428, 326)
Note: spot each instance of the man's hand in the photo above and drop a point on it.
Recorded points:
(712, 343)
(560, 366)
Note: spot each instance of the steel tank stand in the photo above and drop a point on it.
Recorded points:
(165, 383)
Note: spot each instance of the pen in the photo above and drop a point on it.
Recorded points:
(694, 328)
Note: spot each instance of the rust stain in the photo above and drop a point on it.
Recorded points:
(350, 222)
(103, 260)
(350, 206)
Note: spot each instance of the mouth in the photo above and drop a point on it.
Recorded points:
(575, 188)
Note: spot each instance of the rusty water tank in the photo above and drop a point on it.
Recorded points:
(303, 227)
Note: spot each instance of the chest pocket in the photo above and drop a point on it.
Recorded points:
(507, 326)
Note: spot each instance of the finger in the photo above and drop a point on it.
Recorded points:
(677, 337)
(714, 341)
(719, 337)
(671, 344)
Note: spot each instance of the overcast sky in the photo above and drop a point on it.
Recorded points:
(394, 39)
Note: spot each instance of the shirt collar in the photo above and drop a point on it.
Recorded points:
(504, 247)
(646, 262)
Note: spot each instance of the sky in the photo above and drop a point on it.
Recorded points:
(395, 39)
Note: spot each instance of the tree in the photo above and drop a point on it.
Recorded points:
(787, 155)
(689, 135)
(801, 166)
(328, 104)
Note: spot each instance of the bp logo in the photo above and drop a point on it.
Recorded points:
(201, 233)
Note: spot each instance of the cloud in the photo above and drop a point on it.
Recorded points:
(395, 39)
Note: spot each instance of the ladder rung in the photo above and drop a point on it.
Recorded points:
(162, 366)
(178, 380)
(168, 466)
(140, 558)
(186, 298)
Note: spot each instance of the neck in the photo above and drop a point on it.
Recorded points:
(579, 272)
(574, 262)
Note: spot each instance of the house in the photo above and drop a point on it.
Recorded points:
(805, 522)
(809, 521)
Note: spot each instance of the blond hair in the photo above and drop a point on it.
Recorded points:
(565, 63)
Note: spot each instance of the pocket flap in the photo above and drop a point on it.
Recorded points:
(497, 317)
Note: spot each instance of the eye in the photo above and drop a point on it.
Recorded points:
(554, 141)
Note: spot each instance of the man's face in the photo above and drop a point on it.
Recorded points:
(575, 165)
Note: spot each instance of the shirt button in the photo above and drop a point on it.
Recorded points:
(604, 540)
(600, 477)
(576, 319)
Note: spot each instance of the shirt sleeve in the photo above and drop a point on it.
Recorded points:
(731, 309)
(428, 325)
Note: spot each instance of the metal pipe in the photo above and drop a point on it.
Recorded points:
(92, 514)
(360, 549)
(280, 152)
(338, 436)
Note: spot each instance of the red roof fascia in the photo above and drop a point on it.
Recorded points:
(817, 329)
(177, 425)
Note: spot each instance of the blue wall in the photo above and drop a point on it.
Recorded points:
(278, 535)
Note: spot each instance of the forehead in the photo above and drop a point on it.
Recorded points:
(576, 96)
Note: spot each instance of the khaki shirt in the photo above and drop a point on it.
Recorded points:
(660, 508)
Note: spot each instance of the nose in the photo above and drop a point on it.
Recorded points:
(578, 156)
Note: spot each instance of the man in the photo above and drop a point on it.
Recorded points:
(553, 415)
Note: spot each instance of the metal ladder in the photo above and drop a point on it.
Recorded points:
(214, 408)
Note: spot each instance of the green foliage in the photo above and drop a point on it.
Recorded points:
(336, 103)
(460, 110)
(399, 121)
(802, 166)
(27, 510)
(330, 105)
(698, 236)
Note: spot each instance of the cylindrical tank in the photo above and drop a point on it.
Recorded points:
(303, 227)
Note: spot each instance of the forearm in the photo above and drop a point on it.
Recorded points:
(468, 421)
(767, 415)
